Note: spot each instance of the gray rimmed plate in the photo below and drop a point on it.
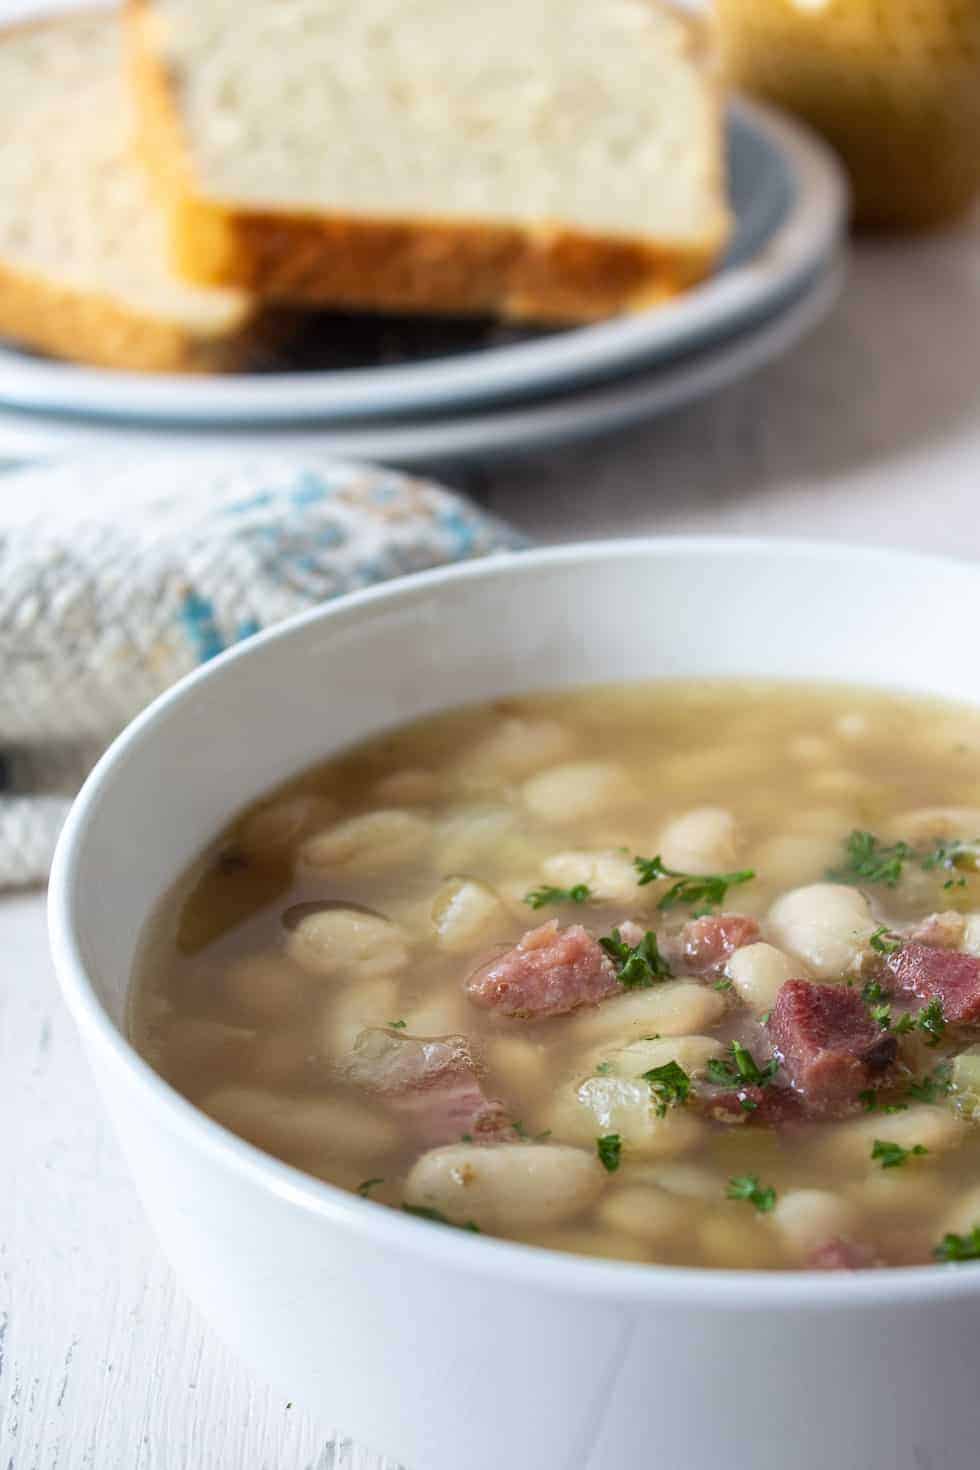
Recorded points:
(789, 201)
(466, 434)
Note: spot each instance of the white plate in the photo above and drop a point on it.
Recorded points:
(789, 201)
(583, 414)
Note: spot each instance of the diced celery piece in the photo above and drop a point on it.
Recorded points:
(965, 1081)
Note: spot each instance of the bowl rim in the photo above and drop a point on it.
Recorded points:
(620, 1282)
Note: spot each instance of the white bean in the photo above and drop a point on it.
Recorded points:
(331, 942)
(971, 934)
(757, 972)
(674, 1008)
(507, 1186)
(936, 1128)
(466, 913)
(579, 789)
(737, 1243)
(517, 1061)
(691, 1181)
(264, 986)
(283, 1057)
(295, 1126)
(607, 1245)
(440, 1015)
(370, 843)
(609, 876)
(895, 1193)
(354, 1008)
(690, 1052)
(476, 835)
(602, 1105)
(198, 1043)
(827, 925)
(513, 749)
(648, 1214)
(700, 841)
(271, 830)
(809, 1218)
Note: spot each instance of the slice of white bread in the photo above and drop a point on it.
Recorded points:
(541, 159)
(83, 253)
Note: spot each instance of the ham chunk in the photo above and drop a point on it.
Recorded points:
(930, 973)
(830, 1047)
(550, 972)
(432, 1083)
(775, 1106)
(706, 943)
(842, 1255)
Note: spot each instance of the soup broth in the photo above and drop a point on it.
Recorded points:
(670, 972)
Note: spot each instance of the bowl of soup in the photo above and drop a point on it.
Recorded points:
(539, 1002)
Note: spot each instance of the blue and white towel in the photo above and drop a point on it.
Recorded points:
(119, 576)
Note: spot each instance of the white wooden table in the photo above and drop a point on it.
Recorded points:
(870, 431)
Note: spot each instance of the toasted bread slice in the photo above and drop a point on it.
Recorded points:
(540, 159)
(83, 258)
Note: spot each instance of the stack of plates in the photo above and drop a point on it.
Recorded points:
(407, 392)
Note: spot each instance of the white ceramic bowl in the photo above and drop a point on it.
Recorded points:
(453, 1352)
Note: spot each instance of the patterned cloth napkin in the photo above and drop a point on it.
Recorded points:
(118, 576)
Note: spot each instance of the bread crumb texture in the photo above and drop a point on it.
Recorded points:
(540, 157)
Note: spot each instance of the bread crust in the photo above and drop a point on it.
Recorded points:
(99, 330)
(542, 273)
(83, 327)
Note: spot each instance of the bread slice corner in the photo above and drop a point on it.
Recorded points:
(84, 274)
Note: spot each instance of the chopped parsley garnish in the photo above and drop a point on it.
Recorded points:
(670, 1085)
(366, 1185)
(874, 861)
(892, 1155)
(959, 1247)
(928, 1089)
(603, 1069)
(871, 1104)
(397, 1025)
(869, 859)
(883, 941)
(722, 985)
(609, 1148)
(742, 1070)
(929, 1019)
(882, 1013)
(954, 853)
(466, 1138)
(519, 1129)
(638, 967)
(423, 1212)
(747, 1187)
(540, 1137)
(692, 888)
(932, 1021)
(539, 898)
